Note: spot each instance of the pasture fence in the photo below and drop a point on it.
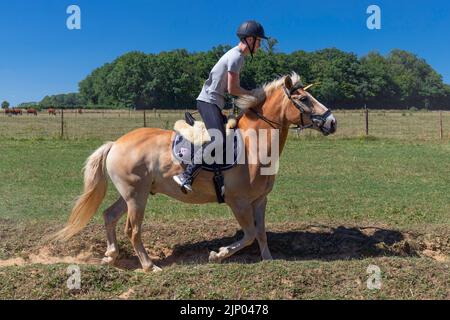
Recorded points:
(111, 124)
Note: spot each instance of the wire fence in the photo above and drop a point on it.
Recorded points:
(111, 124)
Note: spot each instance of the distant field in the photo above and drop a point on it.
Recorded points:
(338, 206)
(110, 124)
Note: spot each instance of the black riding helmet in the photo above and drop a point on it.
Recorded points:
(253, 29)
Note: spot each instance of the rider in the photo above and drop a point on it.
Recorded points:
(224, 77)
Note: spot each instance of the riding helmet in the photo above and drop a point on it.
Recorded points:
(251, 28)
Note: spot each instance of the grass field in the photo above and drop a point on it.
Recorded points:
(339, 205)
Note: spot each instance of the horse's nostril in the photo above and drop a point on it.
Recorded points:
(333, 127)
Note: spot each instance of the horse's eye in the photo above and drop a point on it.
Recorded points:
(303, 98)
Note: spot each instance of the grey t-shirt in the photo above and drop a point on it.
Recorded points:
(214, 88)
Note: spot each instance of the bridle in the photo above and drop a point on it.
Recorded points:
(302, 105)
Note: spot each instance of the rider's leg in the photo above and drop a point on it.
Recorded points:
(213, 119)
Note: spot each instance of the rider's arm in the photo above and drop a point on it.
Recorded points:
(234, 86)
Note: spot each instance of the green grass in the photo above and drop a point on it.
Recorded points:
(349, 180)
(328, 192)
(268, 280)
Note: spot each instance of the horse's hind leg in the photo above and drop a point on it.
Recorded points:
(244, 215)
(128, 230)
(111, 217)
(136, 209)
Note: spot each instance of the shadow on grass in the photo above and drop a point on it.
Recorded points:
(333, 244)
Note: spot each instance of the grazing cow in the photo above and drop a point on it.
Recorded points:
(51, 111)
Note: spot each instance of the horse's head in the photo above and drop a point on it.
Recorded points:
(302, 109)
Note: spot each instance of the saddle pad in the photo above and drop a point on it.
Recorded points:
(183, 151)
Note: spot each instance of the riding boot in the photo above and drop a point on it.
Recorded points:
(185, 179)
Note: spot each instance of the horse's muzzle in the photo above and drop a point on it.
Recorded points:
(329, 126)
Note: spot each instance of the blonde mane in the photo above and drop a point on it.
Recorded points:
(259, 94)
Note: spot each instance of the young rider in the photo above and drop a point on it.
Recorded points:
(224, 77)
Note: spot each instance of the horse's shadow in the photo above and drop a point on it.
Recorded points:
(336, 244)
(326, 244)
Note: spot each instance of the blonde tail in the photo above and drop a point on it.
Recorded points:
(94, 191)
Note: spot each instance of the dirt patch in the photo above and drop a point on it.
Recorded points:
(12, 262)
(189, 242)
(44, 256)
(127, 294)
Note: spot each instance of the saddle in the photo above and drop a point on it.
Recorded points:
(191, 133)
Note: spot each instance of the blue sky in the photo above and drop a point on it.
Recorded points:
(40, 56)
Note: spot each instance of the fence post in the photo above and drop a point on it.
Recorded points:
(145, 121)
(62, 123)
(441, 131)
(366, 111)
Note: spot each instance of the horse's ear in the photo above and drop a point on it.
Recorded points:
(288, 82)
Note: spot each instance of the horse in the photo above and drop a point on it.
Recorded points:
(51, 111)
(140, 163)
(32, 111)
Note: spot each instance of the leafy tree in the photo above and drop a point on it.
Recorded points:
(127, 79)
(5, 104)
(174, 79)
(338, 75)
(67, 100)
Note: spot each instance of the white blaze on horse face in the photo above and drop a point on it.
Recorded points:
(319, 108)
(330, 122)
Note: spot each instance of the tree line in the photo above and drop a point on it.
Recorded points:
(173, 79)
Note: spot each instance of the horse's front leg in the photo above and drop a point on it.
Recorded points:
(244, 215)
(259, 207)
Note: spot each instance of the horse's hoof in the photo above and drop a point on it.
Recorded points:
(108, 260)
(152, 268)
(214, 257)
(156, 269)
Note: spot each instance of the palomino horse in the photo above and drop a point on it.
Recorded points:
(141, 163)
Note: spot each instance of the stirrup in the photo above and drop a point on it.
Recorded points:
(184, 185)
